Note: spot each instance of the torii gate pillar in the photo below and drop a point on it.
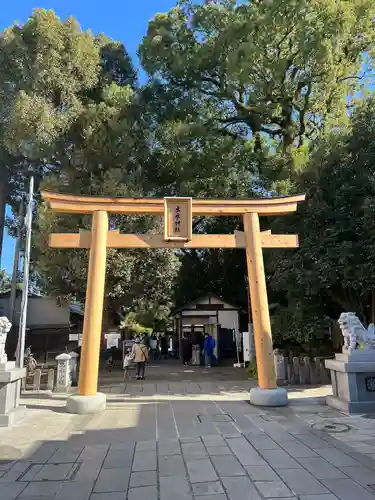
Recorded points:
(88, 400)
(267, 394)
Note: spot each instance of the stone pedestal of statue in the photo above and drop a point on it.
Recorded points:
(353, 381)
(353, 370)
(9, 377)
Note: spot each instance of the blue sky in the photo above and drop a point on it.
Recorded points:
(124, 20)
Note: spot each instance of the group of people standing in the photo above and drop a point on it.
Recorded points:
(193, 347)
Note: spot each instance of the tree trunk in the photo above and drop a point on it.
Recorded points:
(287, 127)
(4, 189)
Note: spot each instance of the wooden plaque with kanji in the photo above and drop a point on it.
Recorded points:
(177, 219)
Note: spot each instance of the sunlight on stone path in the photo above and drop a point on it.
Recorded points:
(187, 440)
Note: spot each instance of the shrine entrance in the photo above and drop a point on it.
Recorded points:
(178, 213)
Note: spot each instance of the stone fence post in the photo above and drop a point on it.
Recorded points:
(37, 376)
(63, 378)
(279, 367)
(74, 368)
(51, 379)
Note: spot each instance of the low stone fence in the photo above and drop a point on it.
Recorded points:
(41, 378)
(301, 370)
(59, 377)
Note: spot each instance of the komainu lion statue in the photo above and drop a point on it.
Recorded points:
(355, 334)
(5, 326)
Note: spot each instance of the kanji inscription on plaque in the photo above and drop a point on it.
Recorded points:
(177, 219)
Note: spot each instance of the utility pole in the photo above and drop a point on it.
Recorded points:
(13, 290)
(26, 268)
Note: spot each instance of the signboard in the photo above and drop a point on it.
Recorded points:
(177, 219)
(112, 340)
(75, 337)
(128, 344)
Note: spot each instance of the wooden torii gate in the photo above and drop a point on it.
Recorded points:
(178, 214)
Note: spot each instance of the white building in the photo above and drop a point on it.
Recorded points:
(210, 314)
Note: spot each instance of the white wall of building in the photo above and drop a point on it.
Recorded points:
(229, 319)
(41, 311)
(226, 316)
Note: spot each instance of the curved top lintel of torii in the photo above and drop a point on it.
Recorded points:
(65, 203)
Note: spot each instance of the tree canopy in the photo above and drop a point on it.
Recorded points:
(243, 99)
(335, 263)
(46, 66)
(5, 281)
(282, 69)
(89, 139)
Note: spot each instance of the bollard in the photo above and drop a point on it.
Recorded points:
(74, 368)
(309, 371)
(51, 379)
(278, 358)
(63, 379)
(296, 379)
(318, 370)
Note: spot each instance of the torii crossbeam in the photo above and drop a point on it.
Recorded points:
(178, 213)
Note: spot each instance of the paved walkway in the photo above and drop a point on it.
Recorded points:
(196, 438)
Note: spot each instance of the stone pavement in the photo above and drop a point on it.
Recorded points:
(195, 439)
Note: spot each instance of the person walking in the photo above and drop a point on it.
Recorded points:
(208, 349)
(186, 349)
(128, 358)
(140, 356)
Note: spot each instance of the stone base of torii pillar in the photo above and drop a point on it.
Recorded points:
(269, 397)
(84, 405)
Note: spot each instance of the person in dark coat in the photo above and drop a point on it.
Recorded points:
(187, 349)
(195, 340)
(164, 346)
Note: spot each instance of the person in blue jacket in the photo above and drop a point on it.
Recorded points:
(208, 349)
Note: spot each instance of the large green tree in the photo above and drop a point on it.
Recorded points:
(333, 271)
(50, 70)
(239, 96)
(281, 69)
(71, 116)
(269, 79)
(46, 66)
(109, 148)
